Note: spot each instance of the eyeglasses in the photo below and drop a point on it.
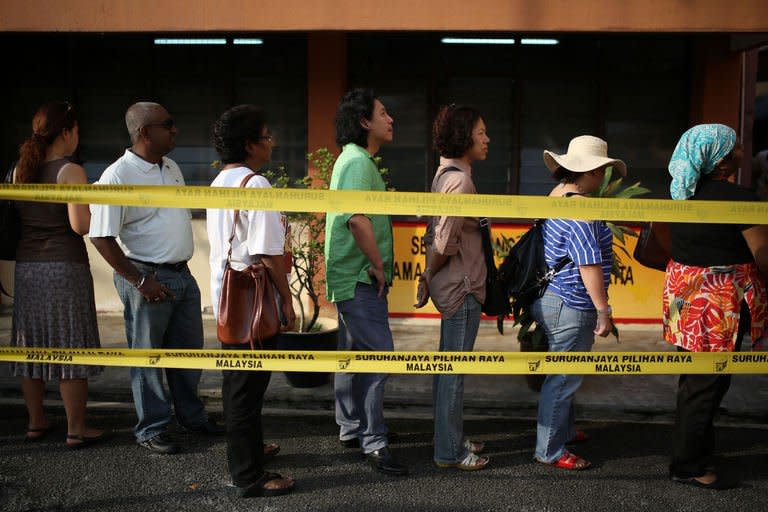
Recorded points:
(268, 137)
(167, 124)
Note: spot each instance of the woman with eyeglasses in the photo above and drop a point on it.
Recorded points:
(54, 304)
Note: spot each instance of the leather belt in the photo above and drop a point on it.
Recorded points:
(176, 267)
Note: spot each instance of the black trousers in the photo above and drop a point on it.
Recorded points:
(243, 396)
(698, 400)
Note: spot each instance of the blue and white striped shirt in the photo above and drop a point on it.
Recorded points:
(586, 243)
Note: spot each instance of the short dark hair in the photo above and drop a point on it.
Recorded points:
(355, 106)
(452, 130)
(235, 128)
(565, 175)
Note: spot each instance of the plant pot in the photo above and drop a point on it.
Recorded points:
(319, 340)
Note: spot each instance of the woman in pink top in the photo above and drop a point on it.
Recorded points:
(453, 278)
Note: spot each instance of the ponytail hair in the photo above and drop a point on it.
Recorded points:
(49, 122)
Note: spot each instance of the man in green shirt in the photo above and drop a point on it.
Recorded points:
(358, 263)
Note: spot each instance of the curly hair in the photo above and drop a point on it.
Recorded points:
(50, 120)
(355, 106)
(235, 128)
(452, 130)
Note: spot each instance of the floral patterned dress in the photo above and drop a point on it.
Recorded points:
(702, 305)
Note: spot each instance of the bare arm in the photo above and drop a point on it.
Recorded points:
(149, 287)
(279, 274)
(79, 214)
(362, 231)
(592, 277)
(757, 240)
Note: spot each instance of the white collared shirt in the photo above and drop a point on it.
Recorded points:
(156, 235)
(258, 231)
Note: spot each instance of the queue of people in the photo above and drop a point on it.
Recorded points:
(714, 291)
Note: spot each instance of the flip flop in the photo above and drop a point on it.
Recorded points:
(83, 441)
(568, 461)
(41, 433)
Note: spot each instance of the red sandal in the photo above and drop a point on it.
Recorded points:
(568, 461)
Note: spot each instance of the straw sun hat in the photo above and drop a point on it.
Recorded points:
(585, 153)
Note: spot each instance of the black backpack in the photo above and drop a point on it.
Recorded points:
(524, 272)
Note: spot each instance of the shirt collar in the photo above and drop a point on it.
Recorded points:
(454, 162)
(357, 149)
(139, 162)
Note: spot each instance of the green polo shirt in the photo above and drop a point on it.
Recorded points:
(345, 263)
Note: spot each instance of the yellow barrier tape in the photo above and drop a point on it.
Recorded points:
(394, 203)
(480, 363)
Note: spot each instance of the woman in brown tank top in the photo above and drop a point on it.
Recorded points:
(54, 305)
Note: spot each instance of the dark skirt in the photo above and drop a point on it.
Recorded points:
(54, 307)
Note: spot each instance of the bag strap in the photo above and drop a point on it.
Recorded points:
(243, 183)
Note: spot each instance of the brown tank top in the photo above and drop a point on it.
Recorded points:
(45, 231)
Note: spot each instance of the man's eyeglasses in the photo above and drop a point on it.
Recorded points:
(167, 124)
(267, 137)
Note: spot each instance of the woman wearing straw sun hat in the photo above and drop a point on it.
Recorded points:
(574, 307)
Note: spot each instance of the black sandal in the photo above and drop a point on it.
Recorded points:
(257, 489)
(83, 441)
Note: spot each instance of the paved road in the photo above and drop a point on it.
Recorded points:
(629, 474)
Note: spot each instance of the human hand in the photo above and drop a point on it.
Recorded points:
(422, 293)
(153, 290)
(604, 325)
(377, 278)
(289, 316)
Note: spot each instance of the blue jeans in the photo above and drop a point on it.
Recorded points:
(172, 324)
(457, 334)
(363, 325)
(567, 330)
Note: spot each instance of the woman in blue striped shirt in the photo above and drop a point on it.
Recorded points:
(575, 306)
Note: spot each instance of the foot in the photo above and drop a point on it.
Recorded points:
(470, 463)
(209, 428)
(475, 447)
(568, 461)
(271, 484)
(161, 443)
(382, 461)
(90, 437)
(708, 480)
(354, 442)
(270, 451)
(36, 433)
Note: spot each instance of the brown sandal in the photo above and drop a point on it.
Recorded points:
(271, 484)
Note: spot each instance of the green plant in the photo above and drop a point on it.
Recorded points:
(306, 235)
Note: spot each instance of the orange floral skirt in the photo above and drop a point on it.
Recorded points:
(702, 305)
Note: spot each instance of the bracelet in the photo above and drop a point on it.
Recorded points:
(138, 284)
(605, 312)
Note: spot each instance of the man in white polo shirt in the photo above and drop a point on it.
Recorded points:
(160, 295)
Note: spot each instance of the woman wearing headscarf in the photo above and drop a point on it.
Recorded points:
(574, 307)
(713, 292)
(54, 305)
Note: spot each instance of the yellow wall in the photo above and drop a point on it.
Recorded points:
(635, 299)
(255, 15)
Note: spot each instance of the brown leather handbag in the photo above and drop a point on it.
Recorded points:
(654, 246)
(247, 306)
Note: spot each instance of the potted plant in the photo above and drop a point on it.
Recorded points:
(531, 336)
